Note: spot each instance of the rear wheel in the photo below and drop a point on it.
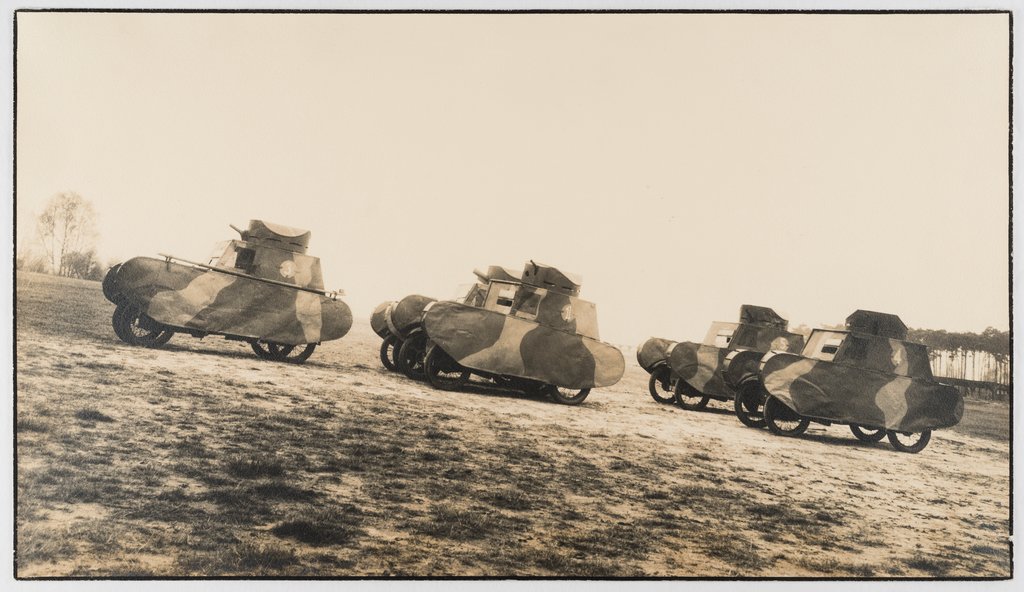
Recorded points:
(568, 396)
(688, 397)
(411, 354)
(443, 371)
(865, 434)
(660, 385)
(783, 421)
(388, 351)
(749, 404)
(909, 442)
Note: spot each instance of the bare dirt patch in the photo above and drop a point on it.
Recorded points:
(200, 459)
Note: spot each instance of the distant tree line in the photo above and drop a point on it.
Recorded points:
(981, 356)
(969, 356)
(65, 240)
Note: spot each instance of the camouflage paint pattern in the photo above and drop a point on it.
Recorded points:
(847, 394)
(379, 318)
(495, 343)
(867, 375)
(653, 353)
(208, 301)
(406, 314)
(263, 286)
(741, 365)
(536, 328)
(703, 365)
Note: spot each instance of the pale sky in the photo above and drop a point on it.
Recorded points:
(681, 164)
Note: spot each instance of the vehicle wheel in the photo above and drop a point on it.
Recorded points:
(568, 396)
(410, 356)
(297, 354)
(443, 372)
(388, 351)
(783, 421)
(137, 328)
(867, 434)
(749, 404)
(660, 385)
(909, 442)
(688, 397)
(115, 321)
(260, 349)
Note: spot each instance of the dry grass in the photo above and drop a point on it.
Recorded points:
(199, 459)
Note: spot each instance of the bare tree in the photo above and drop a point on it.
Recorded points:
(67, 231)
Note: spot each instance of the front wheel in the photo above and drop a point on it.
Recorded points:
(411, 354)
(783, 421)
(568, 396)
(137, 328)
(867, 434)
(749, 404)
(909, 442)
(688, 397)
(661, 386)
(443, 371)
(389, 351)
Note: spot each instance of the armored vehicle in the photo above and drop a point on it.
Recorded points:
(699, 367)
(652, 355)
(868, 377)
(262, 289)
(399, 323)
(534, 335)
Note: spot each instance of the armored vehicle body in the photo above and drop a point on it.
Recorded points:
(262, 289)
(652, 355)
(534, 334)
(699, 368)
(868, 377)
(399, 323)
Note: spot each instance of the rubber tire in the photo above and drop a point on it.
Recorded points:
(660, 377)
(565, 398)
(388, 348)
(914, 448)
(293, 357)
(437, 361)
(259, 349)
(126, 319)
(863, 436)
(742, 404)
(410, 356)
(684, 391)
(775, 410)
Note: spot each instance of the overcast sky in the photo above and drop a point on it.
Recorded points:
(681, 164)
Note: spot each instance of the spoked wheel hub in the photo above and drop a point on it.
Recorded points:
(137, 328)
(909, 442)
(688, 397)
(567, 396)
(661, 386)
(279, 352)
(443, 371)
(783, 421)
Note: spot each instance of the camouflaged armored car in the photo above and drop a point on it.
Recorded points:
(695, 374)
(262, 289)
(532, 334)
(868, 377)
(399, 323)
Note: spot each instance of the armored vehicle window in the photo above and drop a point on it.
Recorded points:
(245, 258)
(723, 337)
(830, 347)
(500, 296)
(506, 296)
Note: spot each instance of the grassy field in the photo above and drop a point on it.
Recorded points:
(200, 459)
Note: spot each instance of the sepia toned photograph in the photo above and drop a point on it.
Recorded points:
(563, 294)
